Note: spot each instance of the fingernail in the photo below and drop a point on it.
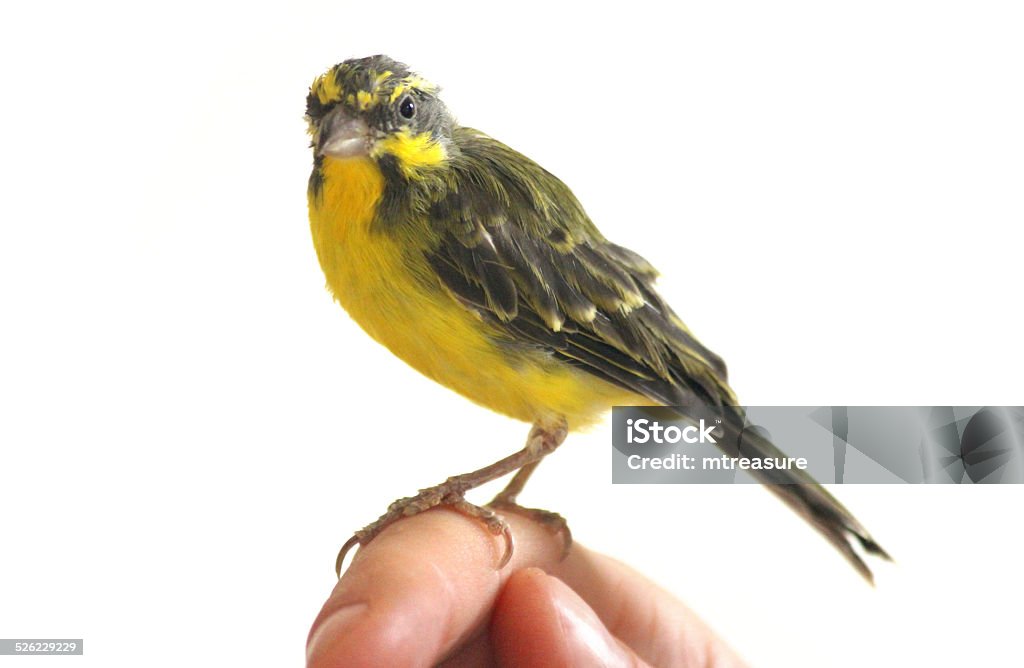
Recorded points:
(329, 632)
(587, 639)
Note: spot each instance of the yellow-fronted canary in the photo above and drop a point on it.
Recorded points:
(480, 269)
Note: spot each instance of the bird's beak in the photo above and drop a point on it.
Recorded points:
(343, 135)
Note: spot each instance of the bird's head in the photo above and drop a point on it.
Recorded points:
(375, 107)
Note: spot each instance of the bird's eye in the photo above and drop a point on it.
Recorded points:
(407, 108)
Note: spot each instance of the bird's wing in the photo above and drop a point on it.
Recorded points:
(517, 247)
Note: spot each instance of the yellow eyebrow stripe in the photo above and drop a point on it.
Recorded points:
(381, 78)
(412, 83)
(327, 89)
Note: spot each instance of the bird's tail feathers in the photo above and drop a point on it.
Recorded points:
(801, 492)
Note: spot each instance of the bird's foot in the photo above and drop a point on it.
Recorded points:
(450, 493)
(543, 439)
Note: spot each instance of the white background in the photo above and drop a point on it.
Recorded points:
(190, 427)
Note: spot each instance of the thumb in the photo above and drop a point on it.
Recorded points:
(539, 620)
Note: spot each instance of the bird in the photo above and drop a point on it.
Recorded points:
(481, 270)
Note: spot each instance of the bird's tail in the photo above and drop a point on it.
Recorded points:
(800, 492)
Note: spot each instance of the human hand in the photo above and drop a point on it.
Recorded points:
(426, 592)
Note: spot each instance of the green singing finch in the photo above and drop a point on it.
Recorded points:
(481, 270)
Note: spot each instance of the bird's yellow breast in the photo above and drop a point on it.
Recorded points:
(390, 289)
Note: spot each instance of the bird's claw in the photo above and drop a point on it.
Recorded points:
(495, 523)
(349, 544)
(554, 522)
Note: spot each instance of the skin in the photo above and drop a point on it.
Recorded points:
(425, 592)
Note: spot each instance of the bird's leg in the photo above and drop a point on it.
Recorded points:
(545, 438)
(508, 496)
(452, 492)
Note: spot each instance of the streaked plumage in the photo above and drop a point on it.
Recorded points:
(481, 269)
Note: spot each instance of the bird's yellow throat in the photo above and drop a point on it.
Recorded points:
(347, 200)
